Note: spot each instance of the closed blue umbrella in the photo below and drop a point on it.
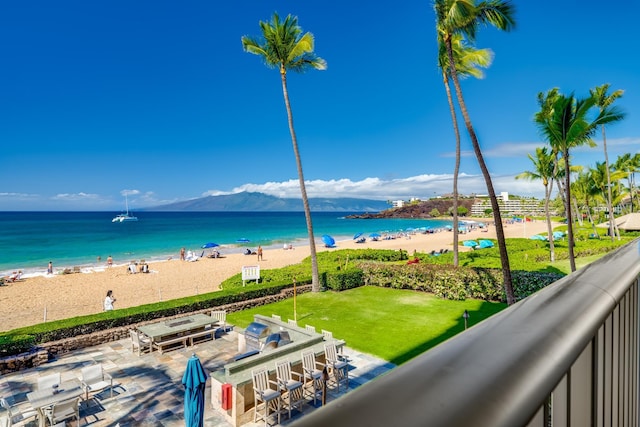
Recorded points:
(194, 380)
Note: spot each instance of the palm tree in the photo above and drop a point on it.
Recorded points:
(463, 17)
(544, 168)
(603, 101)
(469, 60)
(285, 47)
(600, 181)
(630, 165)
(564, 123)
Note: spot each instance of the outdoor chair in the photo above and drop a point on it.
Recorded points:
(310, 328)
(267, 399)
(312, 374)
(277, 317)
(94, 379)
(292, 322)
(139, 342)
(64, 410)
(327, 336)
(48, 381)
(14, 415)
(221, 317)
(337, 367)
(291, 388)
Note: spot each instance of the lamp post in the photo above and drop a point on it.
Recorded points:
(465, 315)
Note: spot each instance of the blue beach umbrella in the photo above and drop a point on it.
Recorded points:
(485, 244)
(210, 245)
(194, 380)
(470, 243)
(355, 236)
(328, 240)
(558, 234)
(374, 235)
(538, 237)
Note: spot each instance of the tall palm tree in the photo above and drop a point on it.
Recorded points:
(600, 181)
(285, 47)
(464, 17)
(469, 60)
(630, 165)
(566, 125)
(603, 101)
(544, 167)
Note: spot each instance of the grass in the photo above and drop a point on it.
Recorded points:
(394, 325)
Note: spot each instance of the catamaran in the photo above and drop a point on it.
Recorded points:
(124, 217)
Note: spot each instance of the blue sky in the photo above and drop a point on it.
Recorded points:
(158, 99)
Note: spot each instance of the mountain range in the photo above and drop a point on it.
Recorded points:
(260, 202)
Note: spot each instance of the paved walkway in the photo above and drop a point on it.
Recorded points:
(149, 390)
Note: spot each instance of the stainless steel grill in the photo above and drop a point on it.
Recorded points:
(253, 333)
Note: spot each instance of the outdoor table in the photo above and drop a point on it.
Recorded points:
(183, 326)
(41, 399)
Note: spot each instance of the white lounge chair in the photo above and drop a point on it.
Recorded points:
(94, 379)
(64, 410)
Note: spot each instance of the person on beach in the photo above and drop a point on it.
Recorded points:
(109, 300)
(50, 268)
(259, 253)
(182, 254)
(109, 261)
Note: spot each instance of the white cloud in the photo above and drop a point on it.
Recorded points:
(421, 186)
(74, 197)
(507, 149)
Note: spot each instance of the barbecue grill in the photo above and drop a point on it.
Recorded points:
(253, 333)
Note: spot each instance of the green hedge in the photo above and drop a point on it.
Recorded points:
(449, 282)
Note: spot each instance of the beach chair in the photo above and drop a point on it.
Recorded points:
(48, 381)
(221, 317)
(310, 328)
(14, 415)
(64, 410)
(291, 386)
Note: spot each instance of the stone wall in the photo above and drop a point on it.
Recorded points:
(50, 350)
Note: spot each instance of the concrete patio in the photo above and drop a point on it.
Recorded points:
(149, 390)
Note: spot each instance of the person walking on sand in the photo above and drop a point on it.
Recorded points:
(259, 253)
(108, 301)
(50, 268)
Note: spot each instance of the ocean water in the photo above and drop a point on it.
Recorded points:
(29, 240)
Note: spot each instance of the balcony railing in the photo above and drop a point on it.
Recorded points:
(565, 356)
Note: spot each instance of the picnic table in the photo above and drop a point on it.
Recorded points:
(42, 399)
(182, 330)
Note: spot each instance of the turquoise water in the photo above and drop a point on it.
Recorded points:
(29, 240)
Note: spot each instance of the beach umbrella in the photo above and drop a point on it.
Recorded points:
(558, 234)
(485, 244)
(470, 243)
(538, 237)
(374, 235)
(210, 245)
(355, 236)
(328, 240)
(194, 381)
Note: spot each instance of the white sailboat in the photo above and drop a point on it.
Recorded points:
(125, 217)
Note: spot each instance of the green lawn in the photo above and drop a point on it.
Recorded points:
(394, 325)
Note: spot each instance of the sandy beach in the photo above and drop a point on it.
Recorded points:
(60, 296)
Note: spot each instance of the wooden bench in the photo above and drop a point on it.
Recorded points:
(170, 342)
(211, 332)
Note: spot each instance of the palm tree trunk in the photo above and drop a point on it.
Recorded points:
(577, 215)
(502, 244)
(547, 196)
(315, 278)
(456, 170)
(567, 184)
(606, 164)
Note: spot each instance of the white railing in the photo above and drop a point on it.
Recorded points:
(565, 356)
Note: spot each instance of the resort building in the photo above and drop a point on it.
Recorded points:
(508, 206)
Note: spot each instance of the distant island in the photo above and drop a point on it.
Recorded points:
(260, 202)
